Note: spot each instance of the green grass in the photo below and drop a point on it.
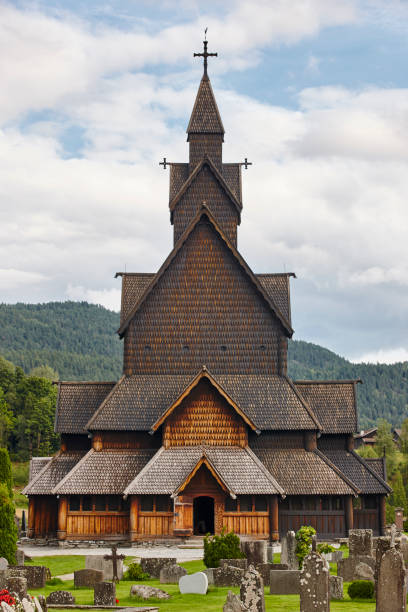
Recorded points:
(212, 602)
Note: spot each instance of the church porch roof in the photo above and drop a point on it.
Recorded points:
(358, 470)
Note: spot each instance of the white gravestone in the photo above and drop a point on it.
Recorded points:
(194, 583)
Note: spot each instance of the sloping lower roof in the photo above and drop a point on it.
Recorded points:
(357, 470)
(300, 472)
(238, 469)
(378, 465)
(104, 472)
(278, 288)
(333, 402)
(269, 401)
(53, 473)
(36, 465)
(77, 402)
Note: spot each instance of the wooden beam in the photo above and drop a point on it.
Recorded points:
(382, 515)
(62, 517)
(134, 517)
(273, 519)
(31, 517)
(348, 513)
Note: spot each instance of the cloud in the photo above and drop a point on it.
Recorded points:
(109, 298)
(389, 356)
(10, 278)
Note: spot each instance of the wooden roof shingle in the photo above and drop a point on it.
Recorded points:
(205, 117)
(77, 402)
(53, 472)
(359, 471)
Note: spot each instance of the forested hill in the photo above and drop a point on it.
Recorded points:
(79, 341)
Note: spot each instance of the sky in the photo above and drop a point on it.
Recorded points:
(313, 92)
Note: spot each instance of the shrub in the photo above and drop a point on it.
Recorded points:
(5, 470)
(304, 542)
(223, 546)
(135, 572)
(325, 548)
(8, 529)
(54, 581)
(361, 589)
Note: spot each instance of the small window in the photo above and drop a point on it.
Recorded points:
(309, 503)
(370, 503)
(100, 503)
(162, 503)
(86, 503)
(113, 503)
(186, 347)
(74, 503)
(296, 503)
(357, 505)
(284, 504)
(261, 504)
(325, 503)
(148, 347)
(231, 505)
(262, 347)
(223, 347)
(337, 503)
(146, 504)
(245, 503)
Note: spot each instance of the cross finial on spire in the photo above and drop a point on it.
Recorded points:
(205, 53)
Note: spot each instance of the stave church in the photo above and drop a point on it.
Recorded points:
(205, 430)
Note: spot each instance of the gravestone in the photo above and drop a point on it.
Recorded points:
(147, 592)
(18, 585)
(288, 554)
(278, 566)
(269, 553)
(194, 583)
(3, 579)
(38, 606)
(20, 556)
(154, 565)
(233, 604)
(363, 572)
(87, 577)
(27, 605)
(336, 587)
(346, 568)
(264, 570)
(314, 584)
(5, 607)
(105, 594)
(209, 572)
(115, 559)
(399, 519)
(98, 562)
(383, 544)
(252, 591)
(171, 574)
(227, 576)
(3, 563)
(391, 583)
(404, 548)
(254, 551)
(284, 582)
(242, 563)
(36, 575)
(60, 598)
(360, 542)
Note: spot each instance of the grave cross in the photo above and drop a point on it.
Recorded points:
(246, 163)
(114, 557)
(205, 53)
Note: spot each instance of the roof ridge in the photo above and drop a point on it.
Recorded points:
(304, 402)
(72, 471)
(86, 382)
(267, 473)
(144, 469)
(204, 455)
(273, 274)
(146, 274)
(327, 382)
(183, 238)
(334, 467)
(97, 411)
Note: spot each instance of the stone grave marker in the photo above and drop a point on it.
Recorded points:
(242, 563)
(383, 544)
(314, 584)
(3, 563)
(147, 592)
(38, 606)
(87, 577)
(153, 565)
(264, 570)
(36, 575)
(105, 594)
(336, 587)
(209, 572)
(115, 558)
(360, 542)
(254, 551)
(228, 576)
(252, 590)
(391, 583)
(284, 582)
(61, 598)
(363, 571)
(20, 556)
(27, 605)
(288, 554)
(98, 562)
(194, 583)
(233, 603)
(18, 585)
(171, 574)
(3, 579)
(5, 607)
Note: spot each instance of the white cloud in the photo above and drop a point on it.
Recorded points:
(10, 278)
(109, 298)
(395, 355)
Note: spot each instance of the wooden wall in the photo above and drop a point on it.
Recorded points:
(204, 417)
(94, 525)
(42, 516)
(124, 439)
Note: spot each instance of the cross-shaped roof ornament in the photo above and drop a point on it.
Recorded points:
(205, 53)
(164, 163)
(246, 163)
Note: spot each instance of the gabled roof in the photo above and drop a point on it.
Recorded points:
(36, 465)
(205, 117)
(77, 402)
(277, 286)
(206, 162)
(134, 284)
(269, 401)
(53, 472)
(237, 468)
(358, 470)
(334, 403)
(205, 213)
(231, 173)
(203, 374)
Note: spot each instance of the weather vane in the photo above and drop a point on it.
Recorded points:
(205, 53)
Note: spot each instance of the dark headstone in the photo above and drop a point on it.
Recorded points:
(314, 584)
(288, 554)
(361, 542)
(336, 587)
(87, 577)
(252, 591)
(36, 575)
(18, 585)
(105, 594)
(284, 582)
(278, 566)
(228, 576)
(171, 574)
(391, 583)
(61, 598)
(242, 563)
(383, 544)
(99, 562)
(254, 551)
(154, 565)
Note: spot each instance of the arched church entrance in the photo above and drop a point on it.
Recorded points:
(203, 515)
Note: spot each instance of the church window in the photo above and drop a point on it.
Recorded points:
(337, 503)
(113, 503)
(231, 505)
(325, 503)
(162, 503)
(260, 503)
(74, 502)
(146, 504)
(100, 503)
(86, 503)
(245, 503)
(309, 503)
(370, 503)
(223, 347)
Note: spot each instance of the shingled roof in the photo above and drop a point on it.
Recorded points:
(269, 401)
(333, 402)
(36, 465)
(238, 468)
(359, 471)
(52, 473)
(107, 471)
(231, 173)
(77, 402)
(205, 117)
(300, 472)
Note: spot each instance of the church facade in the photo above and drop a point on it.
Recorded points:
(205, 430)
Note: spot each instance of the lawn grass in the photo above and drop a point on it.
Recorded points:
(212, 602)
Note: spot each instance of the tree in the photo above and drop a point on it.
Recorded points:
(44, 371)
(385, 443)
(398, 498)
(6, 477)
(8, 529)
(404, 437)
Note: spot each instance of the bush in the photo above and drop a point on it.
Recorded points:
(5, 470)
(304, 542)
(135, 572)
(325, 548)
(223, 546)
(54, 581)
(8, 529)
(361, 589)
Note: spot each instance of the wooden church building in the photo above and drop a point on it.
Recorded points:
(205, 430)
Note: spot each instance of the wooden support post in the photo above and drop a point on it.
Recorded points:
(382, 515)
(350, 443)
(348, 513)
(134, 517)
(31, 517)
(310, 440)
(62, 518)
(273, 519)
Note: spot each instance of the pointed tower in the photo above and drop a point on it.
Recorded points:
(205, 180)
